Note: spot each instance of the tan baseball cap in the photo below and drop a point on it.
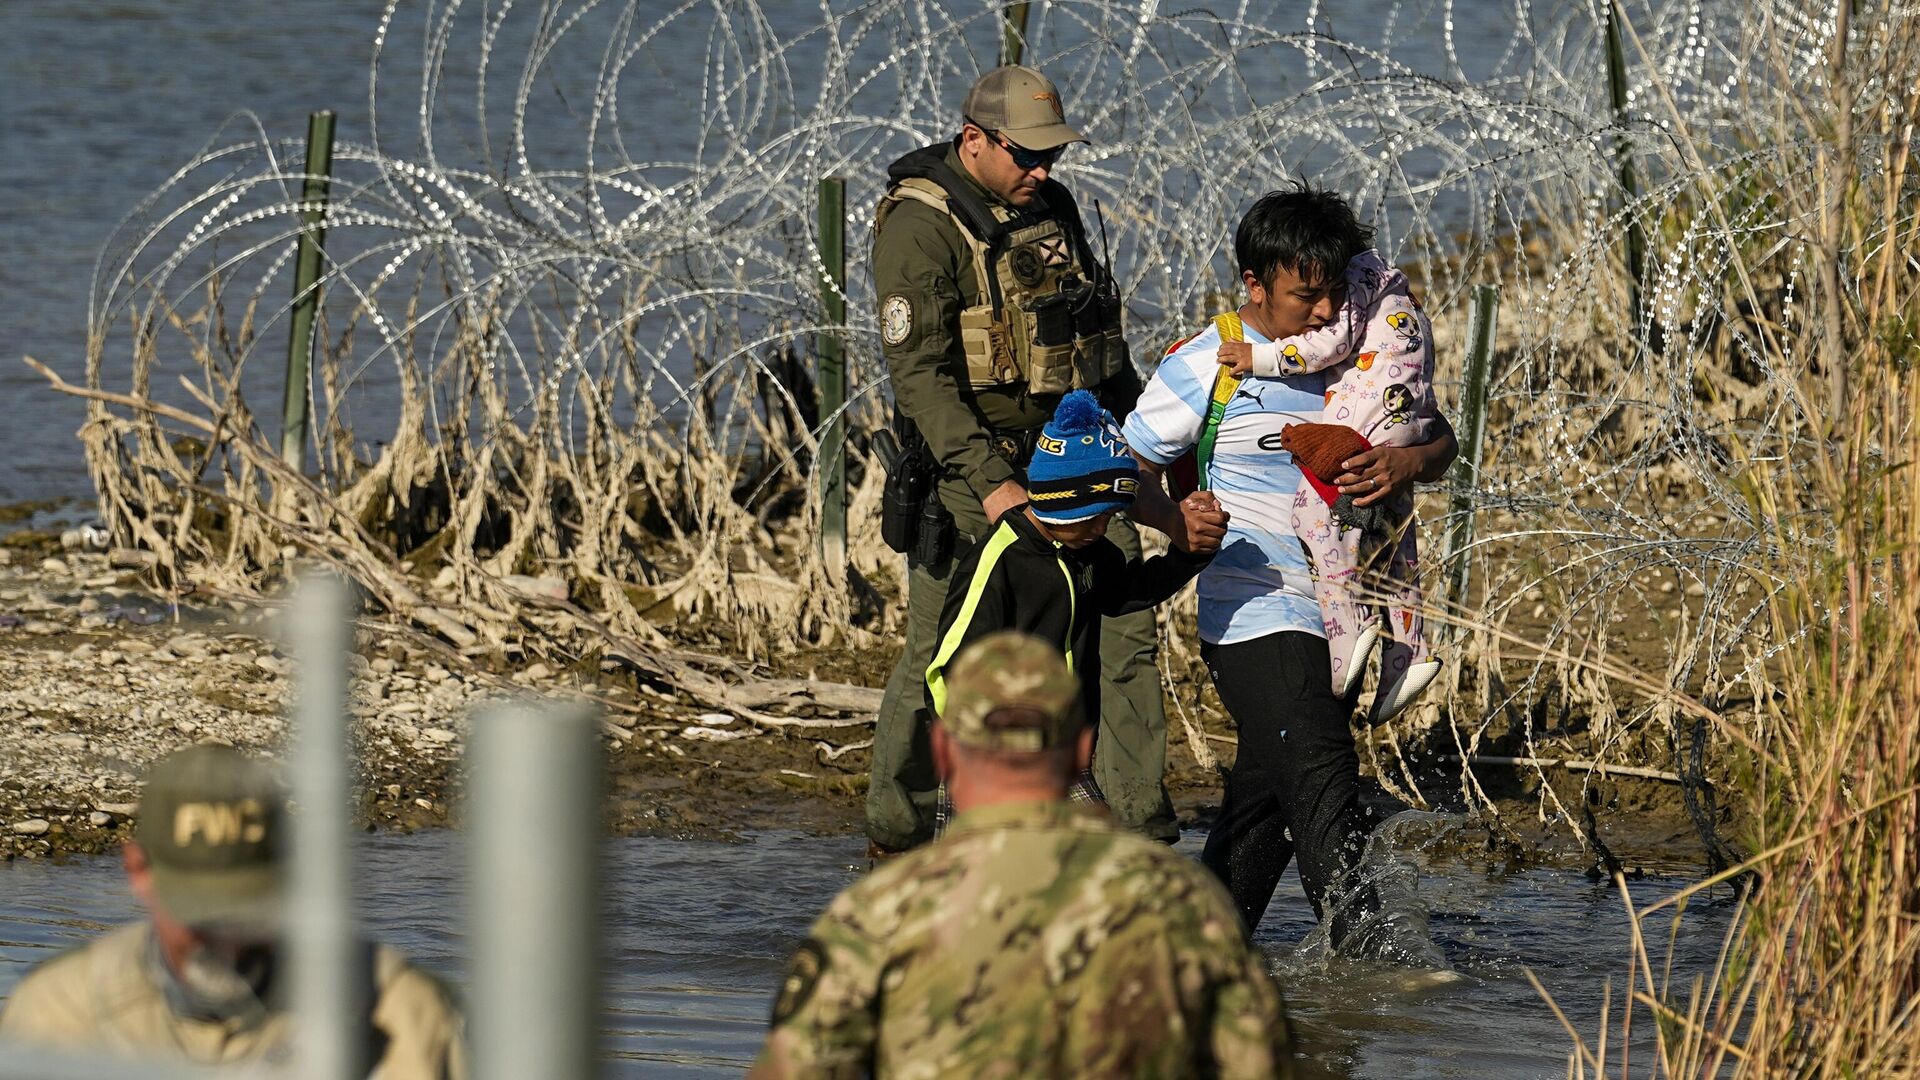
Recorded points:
(1012, 691)
(1021, 104)
(213, 823)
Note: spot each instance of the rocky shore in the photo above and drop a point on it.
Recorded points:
(98, 679)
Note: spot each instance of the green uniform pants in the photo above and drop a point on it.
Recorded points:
(1130, 755)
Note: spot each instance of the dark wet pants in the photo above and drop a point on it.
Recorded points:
(1294, 788)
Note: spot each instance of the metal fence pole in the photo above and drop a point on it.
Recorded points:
(1473, 430)
(536, 906)
(1636, 238)
(1013, 29)
(306, 289)
(833, 375)
(328, 960)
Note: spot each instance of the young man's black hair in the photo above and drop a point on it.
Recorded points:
(1308, 230)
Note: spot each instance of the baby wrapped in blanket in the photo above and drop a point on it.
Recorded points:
(1377, 352)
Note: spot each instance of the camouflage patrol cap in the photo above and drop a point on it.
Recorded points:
(212, 822)
(1011, 691)
(1021, 104)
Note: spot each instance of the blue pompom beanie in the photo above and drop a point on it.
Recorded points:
(1081, 468)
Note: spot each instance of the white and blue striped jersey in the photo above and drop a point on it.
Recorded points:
(1259, 583)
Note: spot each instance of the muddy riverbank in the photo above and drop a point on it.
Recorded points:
(99, 678)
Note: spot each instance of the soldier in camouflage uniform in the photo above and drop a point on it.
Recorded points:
(1035, 938)
(992, 306)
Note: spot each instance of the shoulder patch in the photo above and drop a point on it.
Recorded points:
(803, 974)
(896, 319)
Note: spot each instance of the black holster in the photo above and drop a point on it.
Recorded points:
(913, 521)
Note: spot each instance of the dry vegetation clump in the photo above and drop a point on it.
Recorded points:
(1792, 309)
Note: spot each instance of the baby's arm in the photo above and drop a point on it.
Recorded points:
(1316, 350)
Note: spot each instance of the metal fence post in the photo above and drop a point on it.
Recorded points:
(832, 462)
(1013, 31)
(536, 900)
(328, 960)
(306, 289)
(1623, 158)
(1473, 430)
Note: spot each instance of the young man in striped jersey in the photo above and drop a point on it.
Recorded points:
(1294, 787)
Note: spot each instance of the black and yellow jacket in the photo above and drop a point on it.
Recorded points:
(1019, 579)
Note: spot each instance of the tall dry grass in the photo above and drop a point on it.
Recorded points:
(1819, 977)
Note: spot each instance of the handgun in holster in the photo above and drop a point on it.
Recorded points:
(913, 521)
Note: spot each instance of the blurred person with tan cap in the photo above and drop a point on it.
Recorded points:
(1035, 938)
(199, 981)
(993, 305)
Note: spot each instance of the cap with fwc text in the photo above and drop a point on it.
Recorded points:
(212, 822)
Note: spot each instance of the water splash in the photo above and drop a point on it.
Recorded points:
(1391, 930)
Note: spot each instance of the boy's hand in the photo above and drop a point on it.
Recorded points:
(1237, 355)
(1204, 524)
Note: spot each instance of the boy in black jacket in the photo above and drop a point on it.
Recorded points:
(1047, 567)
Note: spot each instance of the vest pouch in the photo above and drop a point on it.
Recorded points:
(1107, 302)
(990, 358)
(1050, 344)
(1093, 359)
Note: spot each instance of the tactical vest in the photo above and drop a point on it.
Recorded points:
(1048, 315)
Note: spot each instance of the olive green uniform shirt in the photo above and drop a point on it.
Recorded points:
(919, 254)
(1032, 940)
(102, 1000)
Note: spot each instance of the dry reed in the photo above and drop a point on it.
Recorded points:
(1821, 968)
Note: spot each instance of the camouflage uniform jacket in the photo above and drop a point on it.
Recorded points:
(1033, 940)
(920, 255)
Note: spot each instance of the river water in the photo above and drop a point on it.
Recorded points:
(697, 935)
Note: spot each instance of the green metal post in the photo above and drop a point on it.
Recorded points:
(306, 288)
(1623, 157)
(1473, 431)
(1013, 40)
(832, 380)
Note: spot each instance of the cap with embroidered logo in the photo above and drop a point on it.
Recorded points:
(1021, 104)
(1011, 690)
(212, 822)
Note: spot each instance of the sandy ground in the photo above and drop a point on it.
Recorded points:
(99, 679)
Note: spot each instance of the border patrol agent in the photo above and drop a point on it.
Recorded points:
(196, 983)
(1034, 939)
(993, 306)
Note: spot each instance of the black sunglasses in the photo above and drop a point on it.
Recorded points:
(1025, 159)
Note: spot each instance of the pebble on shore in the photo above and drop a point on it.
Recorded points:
(97, 682)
